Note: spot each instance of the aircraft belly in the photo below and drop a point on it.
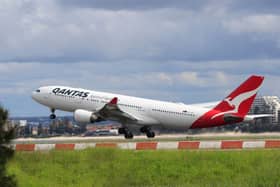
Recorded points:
(178, 122)
(61, 103)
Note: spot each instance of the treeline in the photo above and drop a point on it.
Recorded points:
(6, 153)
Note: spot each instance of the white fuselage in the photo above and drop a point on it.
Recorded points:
(150, 112)
(91, 106)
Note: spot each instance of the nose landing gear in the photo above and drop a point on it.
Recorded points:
(52, 116)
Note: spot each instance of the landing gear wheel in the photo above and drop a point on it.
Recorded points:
(144, 129)
(126, 132)
(150, 134)
(128, 135)
(121, 130)
(148, 131)
(52, 116)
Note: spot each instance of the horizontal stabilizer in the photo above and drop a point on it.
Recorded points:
(252, 117)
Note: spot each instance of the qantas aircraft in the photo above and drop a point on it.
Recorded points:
(92, 106)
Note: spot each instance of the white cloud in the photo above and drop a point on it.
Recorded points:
(116, 76)
(262, 23)
(221, 77)
(189, 78)
(165, 78)
(16, 67)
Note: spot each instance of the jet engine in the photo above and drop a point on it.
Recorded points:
(85, 116)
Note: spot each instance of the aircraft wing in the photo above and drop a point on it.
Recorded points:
(112, 111)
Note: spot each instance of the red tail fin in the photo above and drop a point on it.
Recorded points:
(241, 99)
(234, 107)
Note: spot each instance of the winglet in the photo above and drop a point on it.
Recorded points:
(114, 101)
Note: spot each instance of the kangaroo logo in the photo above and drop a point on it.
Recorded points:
(229, 102)
(236, 102)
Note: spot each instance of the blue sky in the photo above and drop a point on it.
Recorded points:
(188, 51)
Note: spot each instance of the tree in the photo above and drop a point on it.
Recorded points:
(6, 134)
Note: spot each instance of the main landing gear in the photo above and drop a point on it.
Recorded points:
(52, 116)
(148, 131)
(126, 132)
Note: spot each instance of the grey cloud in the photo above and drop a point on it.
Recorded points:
(255, 6)
(248, 6)
(45, 31)
(134, 4)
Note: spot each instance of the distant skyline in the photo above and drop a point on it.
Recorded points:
(182, 51)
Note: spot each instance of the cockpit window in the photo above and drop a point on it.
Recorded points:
(38, 90)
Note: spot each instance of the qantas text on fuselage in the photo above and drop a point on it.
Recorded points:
(92, 106)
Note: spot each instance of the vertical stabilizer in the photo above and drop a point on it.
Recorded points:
(234, 107)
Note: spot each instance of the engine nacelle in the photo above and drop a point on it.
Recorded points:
(84, 116)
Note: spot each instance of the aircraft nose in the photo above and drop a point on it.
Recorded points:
(34, 94)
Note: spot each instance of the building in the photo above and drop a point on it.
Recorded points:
(267, 105)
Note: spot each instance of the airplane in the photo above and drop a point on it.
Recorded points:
(92, 106)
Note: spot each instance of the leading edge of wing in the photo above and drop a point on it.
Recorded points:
(112, 110)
